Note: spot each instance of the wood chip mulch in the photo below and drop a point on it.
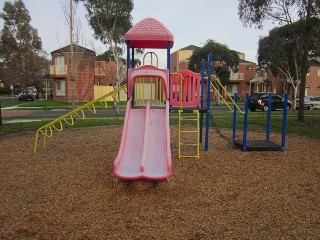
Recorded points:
(67, 191)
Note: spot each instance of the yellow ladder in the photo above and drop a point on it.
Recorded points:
(188, 118)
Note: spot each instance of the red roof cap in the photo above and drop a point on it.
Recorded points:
(149, 33)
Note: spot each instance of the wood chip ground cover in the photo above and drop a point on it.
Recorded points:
(67, 191)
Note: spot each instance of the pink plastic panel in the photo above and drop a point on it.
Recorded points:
(190, 90)
(148, 71)
(149, 33)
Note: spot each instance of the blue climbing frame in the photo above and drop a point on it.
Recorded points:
(268, 144)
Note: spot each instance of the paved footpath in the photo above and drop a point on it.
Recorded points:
(15, 113)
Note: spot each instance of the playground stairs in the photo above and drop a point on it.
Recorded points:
(189, 133)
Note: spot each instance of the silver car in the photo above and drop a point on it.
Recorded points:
(310, 102)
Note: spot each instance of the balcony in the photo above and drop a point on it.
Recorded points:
(58, 70)
(237, 77)
(99, 72)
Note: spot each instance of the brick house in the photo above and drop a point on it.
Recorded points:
(88, 72)
(179, 60)
(250, 78)
(313, 79)
(239, 81)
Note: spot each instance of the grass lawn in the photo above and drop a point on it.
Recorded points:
(50, 104)
(257, 122)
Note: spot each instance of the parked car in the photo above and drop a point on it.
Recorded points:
(26, 96)
(260, 101)
(310, 102)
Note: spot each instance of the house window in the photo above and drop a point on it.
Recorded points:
(59, 63)
(309, 71)
(249, 68)
(229, 88)
(61, 88)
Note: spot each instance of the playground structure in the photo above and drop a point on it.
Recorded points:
(260, 145)
(152, 93)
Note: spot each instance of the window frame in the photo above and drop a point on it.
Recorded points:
(60, 88)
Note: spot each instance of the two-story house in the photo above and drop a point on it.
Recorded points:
(87, 73)
(179, 60)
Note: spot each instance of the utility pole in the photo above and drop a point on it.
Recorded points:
(71, 56)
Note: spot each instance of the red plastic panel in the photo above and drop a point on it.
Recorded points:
(191, 91)
(149, 33)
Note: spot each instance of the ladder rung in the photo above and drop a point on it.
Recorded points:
(188, 119)
(191, 156)
(185, 131)
(189, 144)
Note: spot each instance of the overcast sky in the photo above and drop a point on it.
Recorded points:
(190, 22)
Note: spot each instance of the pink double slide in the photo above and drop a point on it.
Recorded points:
(145, 145)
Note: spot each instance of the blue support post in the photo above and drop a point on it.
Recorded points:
(245, 123)
(284, 122)
(234, 124)
(132, 57)
(128, 66)
(269, 117)
(208, 101)
(202, 96)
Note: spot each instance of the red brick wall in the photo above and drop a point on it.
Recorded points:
(313, 82)
(247, 73)
(173, 61)
(110, 70)
(183, 65)
(84, 77)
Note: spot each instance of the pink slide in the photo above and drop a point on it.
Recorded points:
(145, 145)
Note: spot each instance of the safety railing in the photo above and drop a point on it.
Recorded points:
(99, 71)
(185, 89)
(228, 95)
(58, 69)
(149, 89)
(69, 118)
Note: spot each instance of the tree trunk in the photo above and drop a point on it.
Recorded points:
(0, 114)
(304, 63)
(295, 90)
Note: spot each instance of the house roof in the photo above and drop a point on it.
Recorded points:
(76, 48)
(149, 33)
(245, 62)
(190, 47)
(314, 62)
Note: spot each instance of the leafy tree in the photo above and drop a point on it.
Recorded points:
(21, 47)
(224, 60)
(281, 54)
(110, 20)
(284, 12)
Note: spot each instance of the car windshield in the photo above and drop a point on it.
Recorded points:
(309, 98)
(255, 96)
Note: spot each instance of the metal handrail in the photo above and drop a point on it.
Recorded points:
(69, 117)
(234, 103)
(151, 54)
